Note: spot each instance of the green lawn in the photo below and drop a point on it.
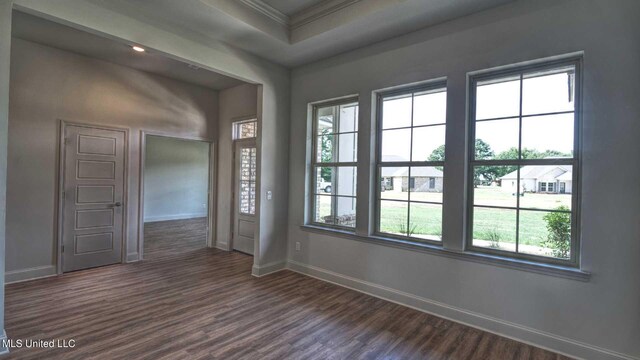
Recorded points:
(426, 219)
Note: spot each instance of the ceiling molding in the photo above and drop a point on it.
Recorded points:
(268, 11)
(318, 11)
(302, 17)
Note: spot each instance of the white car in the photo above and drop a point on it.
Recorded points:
(324, 186)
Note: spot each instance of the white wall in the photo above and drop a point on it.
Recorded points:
(595, 319)
(176, 179)
(49, 85)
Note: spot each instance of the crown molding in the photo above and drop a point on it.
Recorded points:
(304, 16)
(268, 11)
(318, 11)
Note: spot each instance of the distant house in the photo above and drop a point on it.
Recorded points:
(423, 179)
(552, 179)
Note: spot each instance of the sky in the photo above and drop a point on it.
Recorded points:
(541, 94)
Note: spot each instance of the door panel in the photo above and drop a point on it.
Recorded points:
(93, 196)
(245, 196)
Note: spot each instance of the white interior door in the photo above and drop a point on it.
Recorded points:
(245, 196)
(93, 191)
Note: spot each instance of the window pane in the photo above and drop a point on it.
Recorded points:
(426, 184)
(396, 112)
(324, 180)
(546, 187)
(252, 198)
(346, 180)
(497, 139)
(323, 209)
(550, 92)
(498, 98)
(430, 108)
(426, 140)
(348, 118)
(326, 119)
(545, 233)
(347, 147)
(425, 221)
(494, 228)
(391, 183)
(324, 148)
(548, 136)
(495, 186)
(393, 217)
(396, 145)
(245, 190)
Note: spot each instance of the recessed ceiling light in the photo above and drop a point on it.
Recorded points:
(137, 48)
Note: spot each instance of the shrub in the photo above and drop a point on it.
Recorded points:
(559, 228)
(494, 237)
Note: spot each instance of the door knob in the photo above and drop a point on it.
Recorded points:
(117, 204)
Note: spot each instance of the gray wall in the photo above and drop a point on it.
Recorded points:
(239, 102)
(5, 59)
(176, 179)
(47, 85)
(560, 313)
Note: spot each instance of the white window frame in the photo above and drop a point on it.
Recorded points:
(317, 164)
(575, 161)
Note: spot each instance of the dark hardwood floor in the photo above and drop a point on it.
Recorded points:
(204, 304)
(167, 238)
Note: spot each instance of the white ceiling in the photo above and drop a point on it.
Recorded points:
(31, 28)
(290, 7)
(325, 29)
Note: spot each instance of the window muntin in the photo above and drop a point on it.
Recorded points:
(334, 163)
(245, 129)
(410, 162)
(524, 145)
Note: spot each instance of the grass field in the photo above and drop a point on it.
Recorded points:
(426, 219)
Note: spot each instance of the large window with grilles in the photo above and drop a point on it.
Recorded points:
(334, 164)
(524, 162)
(410, 166)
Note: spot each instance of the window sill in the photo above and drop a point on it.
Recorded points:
(501, 261)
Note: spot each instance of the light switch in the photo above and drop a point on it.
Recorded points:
(269, 195)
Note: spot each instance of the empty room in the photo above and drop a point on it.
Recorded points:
(320, 179)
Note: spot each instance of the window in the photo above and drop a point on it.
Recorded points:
(245, 129)
(248, 181)
(335, 138)
(411, 137)
(523, 135)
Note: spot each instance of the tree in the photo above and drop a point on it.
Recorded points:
(326, 154)
(559, 232)
(483, 174)
(437, 155)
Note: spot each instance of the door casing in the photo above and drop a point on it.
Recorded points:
(61, 174)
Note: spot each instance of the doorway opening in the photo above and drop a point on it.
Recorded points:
(176, 196)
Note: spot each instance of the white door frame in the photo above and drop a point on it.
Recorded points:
(234, 190)
(60, 198)
(211, 203)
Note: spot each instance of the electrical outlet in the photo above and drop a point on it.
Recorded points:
(297, 245)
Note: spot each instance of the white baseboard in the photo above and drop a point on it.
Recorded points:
(490, 324)
(222, 246)
(174, 217)
(15, 276)
(3, 341)
(267, 269)
(133, 257)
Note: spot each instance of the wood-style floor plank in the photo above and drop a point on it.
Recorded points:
(186, 301)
